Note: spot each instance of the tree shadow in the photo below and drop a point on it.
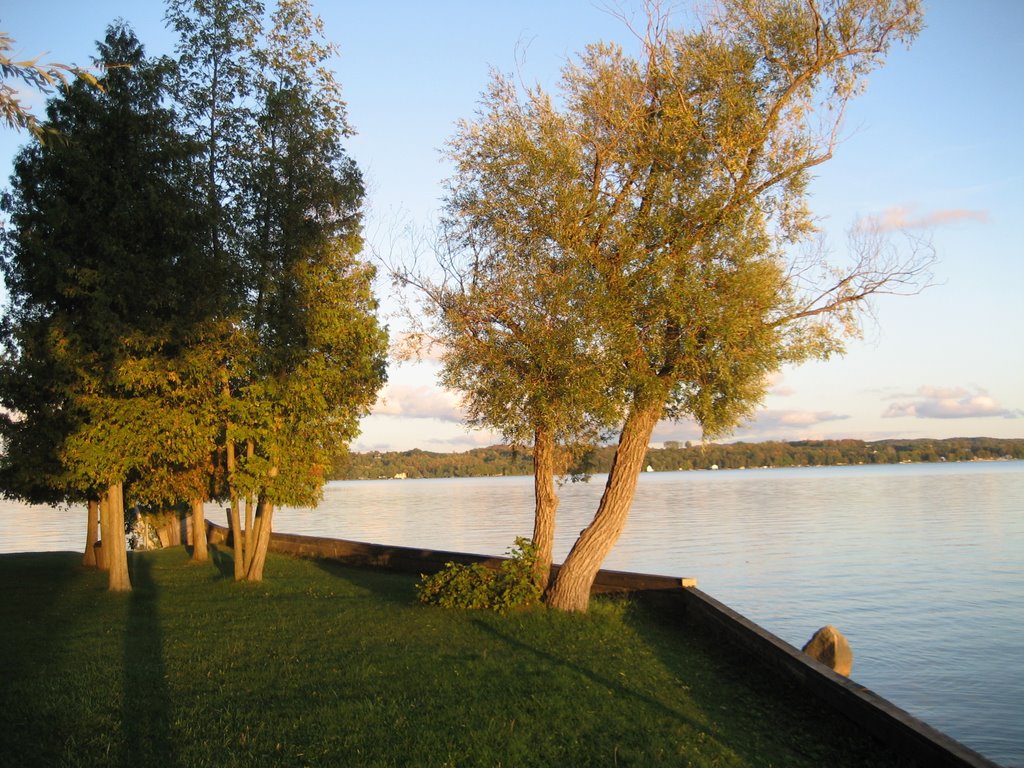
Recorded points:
(619, 689)
(41, 602)
(148, 711)
(389, 586)
(223, 560)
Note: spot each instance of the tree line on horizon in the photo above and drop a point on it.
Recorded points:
(503, 460)
(190, 317)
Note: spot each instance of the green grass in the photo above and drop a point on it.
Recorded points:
(327, 665)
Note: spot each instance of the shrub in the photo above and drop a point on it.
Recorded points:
(513, 585)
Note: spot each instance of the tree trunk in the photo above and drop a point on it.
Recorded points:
(249, 537)
(250, 450)
(104, 512)
(264, 516)
(571, 590)
(545, 503)
(199, 550)
(114, 542)
(237, 537)
(91, 534)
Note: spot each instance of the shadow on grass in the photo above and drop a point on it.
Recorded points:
(38, 612)
(616, 687)
(389, 586)
(223, 559)
(40, 580)
(147, 714)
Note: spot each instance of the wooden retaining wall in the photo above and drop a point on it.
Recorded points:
(424, 561)
(891, 725)
(888, 723)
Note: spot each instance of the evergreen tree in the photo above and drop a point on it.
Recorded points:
(317, 357)
(301, 354)
(97, 257)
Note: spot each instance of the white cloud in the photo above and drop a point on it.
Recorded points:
(767, 425)
(901, 217)
(931, 402)
(789, 424)
(942, 393)
(418, 402)
(771, 420)
(777, 388)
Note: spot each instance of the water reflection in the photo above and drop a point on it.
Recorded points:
(39, 528)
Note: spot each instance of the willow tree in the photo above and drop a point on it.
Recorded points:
(516, 340)
(43, 77)
(667, 193)
(98, 255)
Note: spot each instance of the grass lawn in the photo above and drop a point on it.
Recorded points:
(328, 665)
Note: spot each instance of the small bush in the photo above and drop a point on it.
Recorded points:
(514, 585)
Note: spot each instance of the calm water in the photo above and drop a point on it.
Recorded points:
(920, 566)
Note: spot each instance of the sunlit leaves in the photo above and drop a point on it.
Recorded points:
(44, 77)
(622, 255)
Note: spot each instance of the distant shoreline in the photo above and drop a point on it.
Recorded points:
(503, 460)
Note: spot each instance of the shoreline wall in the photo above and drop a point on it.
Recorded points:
(891, 725)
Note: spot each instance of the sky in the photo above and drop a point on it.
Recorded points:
(932, 146)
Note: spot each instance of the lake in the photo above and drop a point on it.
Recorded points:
(920, 566)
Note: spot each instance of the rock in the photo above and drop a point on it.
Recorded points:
(830, 648)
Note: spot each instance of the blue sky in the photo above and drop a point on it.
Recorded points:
(932, 145)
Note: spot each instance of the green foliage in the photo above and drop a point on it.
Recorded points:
(304, 357)
(617, 252)
(478, 462)
(98, 254)
(513, 585)
(458, 586)
(184, 281)
(823, 453)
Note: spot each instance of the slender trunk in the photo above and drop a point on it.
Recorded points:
(105, 535)
(252, 535)
(249, 534)
(237, 538)
(264, 515)
(117, 554)
(91, 534)
(199, 550)
(545, 503)
(571, 590)
(250, 450)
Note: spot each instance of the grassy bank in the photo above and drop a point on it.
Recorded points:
(325, 665)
